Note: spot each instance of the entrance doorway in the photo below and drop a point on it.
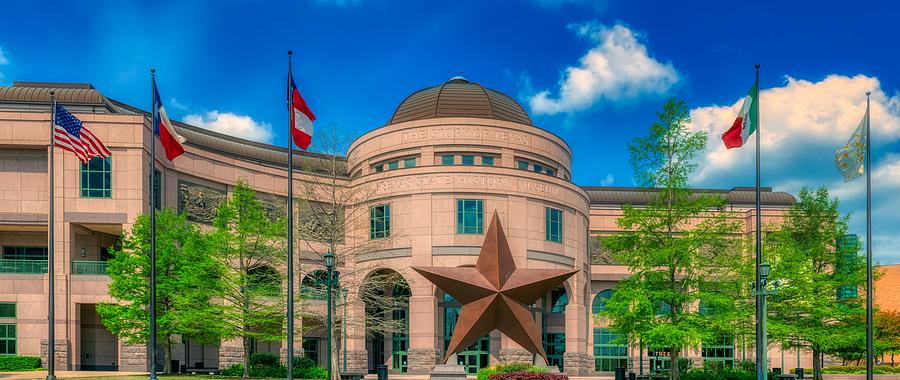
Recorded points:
(474, 357)
(98, 347)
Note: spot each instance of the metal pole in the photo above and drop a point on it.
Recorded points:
(152, 347)
(51, 268)
(344, 331)
(290, 227)
(761, 366)
(870, 326)
(328, 320)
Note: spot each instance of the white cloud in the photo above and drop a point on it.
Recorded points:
(618, 67)
(178, 105)
(3, 61)
(802, 123)
(609, 180)
(232, 124)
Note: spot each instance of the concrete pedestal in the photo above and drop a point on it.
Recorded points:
(448, 372)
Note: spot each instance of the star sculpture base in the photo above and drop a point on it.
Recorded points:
(495, 295)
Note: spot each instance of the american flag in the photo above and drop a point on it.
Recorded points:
(71, 135)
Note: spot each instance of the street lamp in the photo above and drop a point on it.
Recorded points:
(328, 260)
(764, 270)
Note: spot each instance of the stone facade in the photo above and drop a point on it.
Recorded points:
(298, 352)
(230, 355)
(516, 355)
(133, 358)
(421, 360)
(61, 354)
(578, 363)
(357, 361)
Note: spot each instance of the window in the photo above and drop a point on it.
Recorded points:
(537, 168)
(599, 304)
(7, 338)
(555, 347)
(447, 159)
(24, 253)
(522, 165)
(393, 165)
(469, 216)
(96, 178)
(7, 309)
(554, 224)
(719, 351)
(610, 351)
(380, 222)
(551, 172)
(378, 168)
(468, 159)
(487, 160)
(311, 348)
(409, 162)
(559, 300)
(157, 189)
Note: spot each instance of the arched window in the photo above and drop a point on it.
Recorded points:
(559, 299)
(313, 286)
(599, 304)
(264, 279)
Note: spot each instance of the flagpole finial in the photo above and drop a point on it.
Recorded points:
(757, 66)
(152, 71)
(290, 52)
(868, 93)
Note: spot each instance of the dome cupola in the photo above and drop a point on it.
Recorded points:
(458, 97)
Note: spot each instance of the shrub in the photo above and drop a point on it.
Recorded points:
(264, 359)
(719, 374)
(233, 370)
(302, 362)
(311, 373)
(486, 372)
(527, 375)
(854, 369)
(19, 363)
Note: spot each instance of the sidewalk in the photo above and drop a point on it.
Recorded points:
(69, 375)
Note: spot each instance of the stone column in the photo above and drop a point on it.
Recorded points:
(357, 356)
(422, 354)
(230, 353)
(576, 360)
(133, 358)
(61, 355)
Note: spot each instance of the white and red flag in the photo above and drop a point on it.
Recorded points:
(301, 116)
(171, 141)
(70, 134)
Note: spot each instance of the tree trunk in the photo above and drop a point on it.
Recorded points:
(817, 364)
(246, 343)
(673, 365)
(167, 356)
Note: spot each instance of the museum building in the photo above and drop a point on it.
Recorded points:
(448, 158)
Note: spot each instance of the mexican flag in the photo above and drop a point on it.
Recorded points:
(746, 122)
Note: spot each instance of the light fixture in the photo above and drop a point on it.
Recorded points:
(83, 254)
(328, 259)
(764, 269)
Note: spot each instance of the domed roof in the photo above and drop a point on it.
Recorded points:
(459, 98)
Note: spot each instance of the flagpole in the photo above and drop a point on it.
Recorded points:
(290, 243)
(761, 346)
(153, 106)
(51, 288)
(870, 325)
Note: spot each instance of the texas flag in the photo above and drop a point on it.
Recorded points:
(301, 116)
(162, 127)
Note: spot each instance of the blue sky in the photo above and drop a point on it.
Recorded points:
(593, 72)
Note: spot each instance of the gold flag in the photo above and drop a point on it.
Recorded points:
(850, 158)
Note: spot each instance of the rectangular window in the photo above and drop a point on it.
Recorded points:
(537, 168)
(469, 216)
(468, 159)
(25, 253)
(311, 349)
(7, 309)
(409, 162)
(487, 160)
(447, 159)
(720, 351)
(610, 352)
(554, 224)
(551, 172)
(522, 165)
(157, 188)
(378, 168)
(7, 338)
(380, 222)
(96, 178)
(393, 165)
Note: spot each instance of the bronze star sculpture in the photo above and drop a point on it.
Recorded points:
(495, 294)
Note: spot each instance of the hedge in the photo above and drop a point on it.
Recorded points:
(527, 375)
(19, 363)
(486, 372)
(853, 369)
(269, 366)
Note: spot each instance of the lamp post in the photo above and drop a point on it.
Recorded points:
(764, 270)
(328, 260)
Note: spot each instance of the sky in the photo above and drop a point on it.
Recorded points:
(593, 72)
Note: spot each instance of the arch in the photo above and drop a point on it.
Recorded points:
(313, 285)
(385, 295)
(264, 280)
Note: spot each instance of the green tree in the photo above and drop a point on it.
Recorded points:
(187, 279)
(819, 269)
(887, 332)
(251, 247)
(683, 281)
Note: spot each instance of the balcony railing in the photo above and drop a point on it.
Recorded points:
(86, 267)
(23, 266)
